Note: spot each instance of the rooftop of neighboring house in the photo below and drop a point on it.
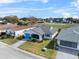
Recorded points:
(13, 27)
(70, 34)
(44, 29)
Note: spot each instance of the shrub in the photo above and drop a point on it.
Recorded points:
(20, 37)
(6, 36)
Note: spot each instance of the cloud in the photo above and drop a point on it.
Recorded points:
(66, 14)
(6, 1)
(75, 16)
(20, 11)
(16, 1)
(75, 3)
(44, 1)
(62, 12)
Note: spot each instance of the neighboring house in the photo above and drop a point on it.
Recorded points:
(2, 21)
(12, 29)
(69, 38)
(39, 33)
(16, 31)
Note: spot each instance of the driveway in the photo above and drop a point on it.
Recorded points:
(64, 53)
(19, 43)
(10, 53)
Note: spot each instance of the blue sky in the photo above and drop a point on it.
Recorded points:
(40, 8)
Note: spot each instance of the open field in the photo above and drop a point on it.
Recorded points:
(59, 25)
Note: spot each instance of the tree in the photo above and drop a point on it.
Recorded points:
(11, 19)
(24, 19)
(69, 20)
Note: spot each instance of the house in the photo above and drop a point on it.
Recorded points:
(13, 29)
(16, 31)
(39, 33)
(2, 29)
(69, 38)
(2, 21)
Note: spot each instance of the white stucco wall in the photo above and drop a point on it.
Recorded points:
(19, 32)
(58, 42)
(40, 38)
(2, 31)
(78, 46)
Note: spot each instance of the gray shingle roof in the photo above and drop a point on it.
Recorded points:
(38, 30)
(44, 30)
(70, 34)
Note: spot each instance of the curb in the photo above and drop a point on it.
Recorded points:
(23, 51)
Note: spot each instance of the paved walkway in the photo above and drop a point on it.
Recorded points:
(19, 43)
(64, 53)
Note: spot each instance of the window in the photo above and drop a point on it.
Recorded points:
(35, 36)
(68, 44)
(48, 35)
(42, 36)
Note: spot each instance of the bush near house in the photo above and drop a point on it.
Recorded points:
(20, 37)
(8, 39)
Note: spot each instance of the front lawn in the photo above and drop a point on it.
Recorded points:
(9, 41)
(35, 48)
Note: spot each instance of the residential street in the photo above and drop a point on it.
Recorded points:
(9, 53)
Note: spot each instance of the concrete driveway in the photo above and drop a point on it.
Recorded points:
(10, 53)
(19, 43)
(64, 53)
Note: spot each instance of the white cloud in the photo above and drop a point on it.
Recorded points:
(62, 12)
(6, 1)
(75, 16)
(75, 3)
(15, 1)
(14, 11)
(44, 1)
(66, 14)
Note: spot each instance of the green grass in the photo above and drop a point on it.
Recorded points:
(35, 48)
(59, 25)
(9, 41)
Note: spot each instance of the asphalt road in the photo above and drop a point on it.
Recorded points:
(9, 53)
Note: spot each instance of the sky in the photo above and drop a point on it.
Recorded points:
(40, 8)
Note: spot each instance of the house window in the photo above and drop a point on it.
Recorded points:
(48, 35)
(68, 44)
(42, 36)
(35, 36)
